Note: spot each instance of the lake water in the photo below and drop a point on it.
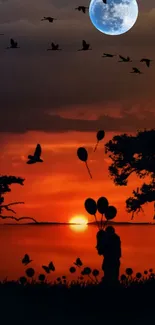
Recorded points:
(63, 244)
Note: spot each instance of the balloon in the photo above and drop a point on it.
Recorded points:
(102, 205)
(90, 206)
(83, 156)
(111, 212)
(100, 135)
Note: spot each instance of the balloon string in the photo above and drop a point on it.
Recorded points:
(101, 220)
(105, 223)
(89, 170)
(97, 222)
(96, 146)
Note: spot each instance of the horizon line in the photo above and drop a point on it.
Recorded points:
(81, 224)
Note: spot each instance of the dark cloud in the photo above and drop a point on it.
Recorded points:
(35, 82)
(127, 122)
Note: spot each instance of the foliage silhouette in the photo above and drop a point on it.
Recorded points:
(41, 277)
(81, 297)
(5, 183)
(30, 272)
(134, 154)
(72, 269)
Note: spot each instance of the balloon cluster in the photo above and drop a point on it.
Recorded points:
(103, 207)
(83, 154)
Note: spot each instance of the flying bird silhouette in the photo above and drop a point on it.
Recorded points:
(36, 157)
(55, 47)
(135, 70)
(82, 8)
(50, 19)
(147, 61)
(104, 1)
(26, 259)
(13, 44)
(107, 55)
(85, 47)
(123, 59)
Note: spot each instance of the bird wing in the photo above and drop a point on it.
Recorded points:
(147, 63)
(29, 162)
(84, 43)
(136, 70)
(83, 9)
(53, 45)
(121, 57)
(37, 152)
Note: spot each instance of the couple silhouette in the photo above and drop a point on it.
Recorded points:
(109, 245)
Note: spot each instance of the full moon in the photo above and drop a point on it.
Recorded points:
(116, 17)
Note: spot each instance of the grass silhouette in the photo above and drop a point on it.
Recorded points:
(86, 298)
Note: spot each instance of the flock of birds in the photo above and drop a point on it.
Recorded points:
(85, 45)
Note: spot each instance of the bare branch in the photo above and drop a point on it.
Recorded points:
(18, 219)
(6, 206)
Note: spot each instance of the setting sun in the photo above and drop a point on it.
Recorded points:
(80, 220)
(78, 223)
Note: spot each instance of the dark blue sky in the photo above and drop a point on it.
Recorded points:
(35, 84)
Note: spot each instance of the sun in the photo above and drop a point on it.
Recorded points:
(78, 223)
(80, 220)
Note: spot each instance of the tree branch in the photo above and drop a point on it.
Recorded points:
(18, 219)
(6, 206)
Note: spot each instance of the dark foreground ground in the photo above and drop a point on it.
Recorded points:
(131, 302)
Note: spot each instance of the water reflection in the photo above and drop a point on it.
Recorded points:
(81, 227)
(63, 244)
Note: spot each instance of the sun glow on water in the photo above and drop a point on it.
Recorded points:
(78, 223)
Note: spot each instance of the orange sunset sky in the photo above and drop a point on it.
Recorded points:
(56, 190)
(61, 100)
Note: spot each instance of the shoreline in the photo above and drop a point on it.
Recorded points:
(77, 224)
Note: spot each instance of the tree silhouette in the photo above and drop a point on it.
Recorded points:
(134, 154)
(5, 183)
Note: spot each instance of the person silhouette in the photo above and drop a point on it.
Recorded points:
(109, 245)
(112, 255)
(101, 238)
